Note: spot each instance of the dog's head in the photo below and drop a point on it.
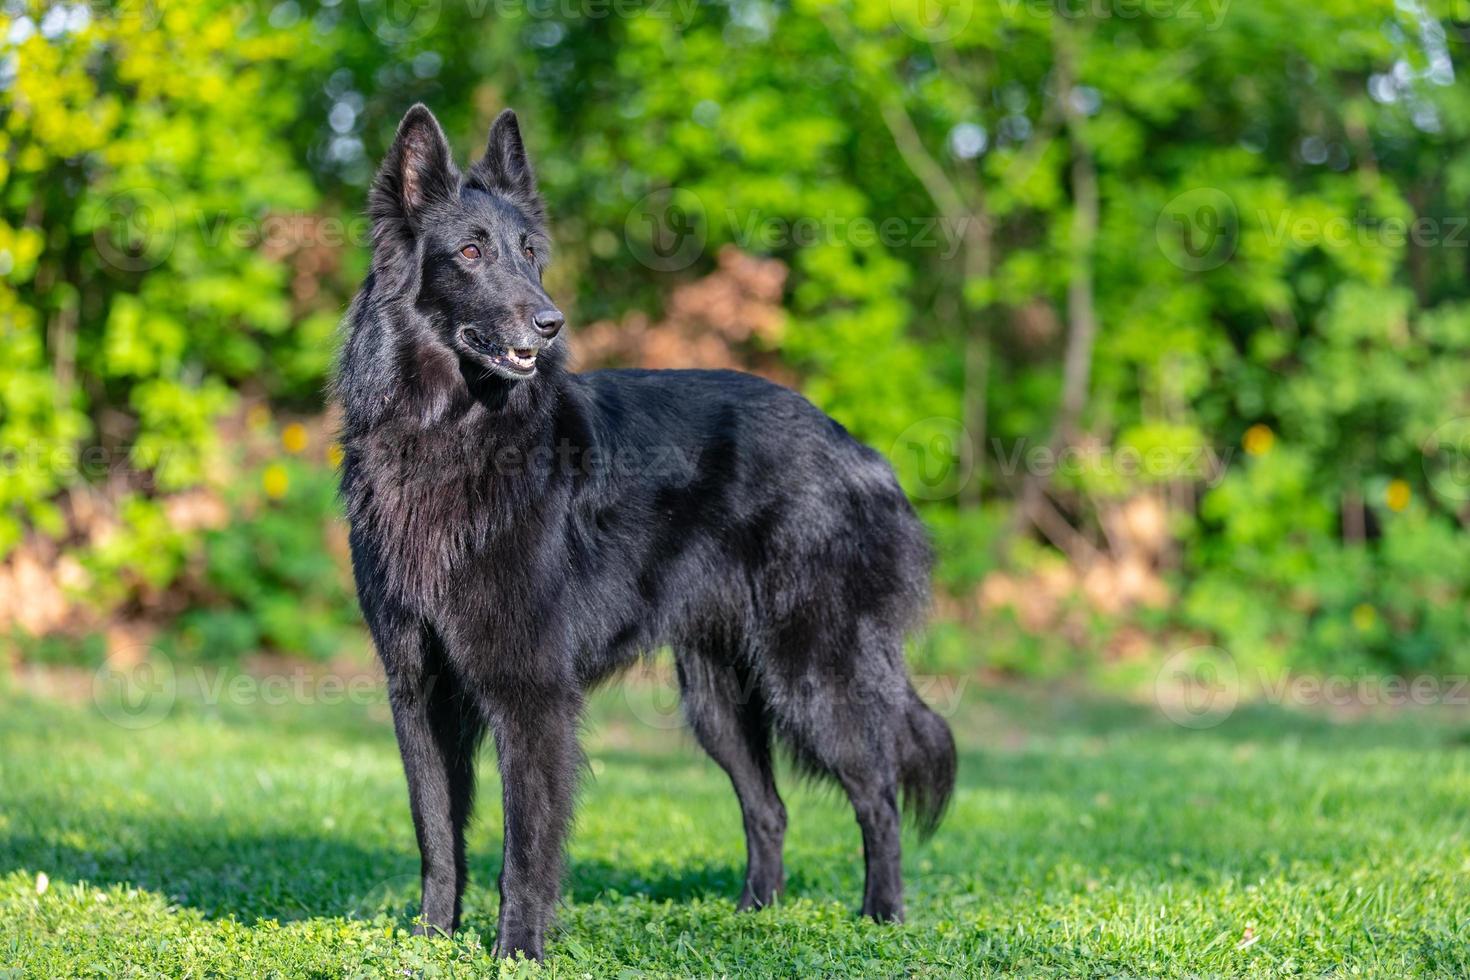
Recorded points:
(467, 250)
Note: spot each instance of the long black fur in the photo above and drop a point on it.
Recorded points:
(518, 537)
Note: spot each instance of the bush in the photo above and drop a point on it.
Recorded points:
(1264, 233)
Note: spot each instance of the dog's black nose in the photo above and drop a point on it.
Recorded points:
(549, 323)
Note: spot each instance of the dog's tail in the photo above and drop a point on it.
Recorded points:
(926, 764)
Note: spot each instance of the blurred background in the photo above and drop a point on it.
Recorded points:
(1158, 307)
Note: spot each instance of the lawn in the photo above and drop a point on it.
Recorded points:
(1088, 838)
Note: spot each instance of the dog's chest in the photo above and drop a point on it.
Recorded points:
(432, 506)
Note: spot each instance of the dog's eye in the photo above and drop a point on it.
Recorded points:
(530, 252)
(470, 251)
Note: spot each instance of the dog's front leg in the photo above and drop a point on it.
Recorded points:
(438, 724)
(536, 738)
(438, 732)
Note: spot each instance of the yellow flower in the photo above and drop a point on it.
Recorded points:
(258, 416)
(1258, 440)
(275, 481)
(293, 437)
(334, 454)
(1398, 495)
(1365, 617)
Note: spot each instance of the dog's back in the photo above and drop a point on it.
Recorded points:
(715, 488)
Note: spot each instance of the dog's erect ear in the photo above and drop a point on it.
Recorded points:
(505, 167)
(416, 172)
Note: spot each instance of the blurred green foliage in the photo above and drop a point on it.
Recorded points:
(1260, 206)
(269, 581)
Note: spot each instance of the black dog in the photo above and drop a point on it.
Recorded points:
(520, 532)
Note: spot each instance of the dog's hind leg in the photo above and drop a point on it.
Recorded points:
(729, 719)
(841, 714)
(872, 786)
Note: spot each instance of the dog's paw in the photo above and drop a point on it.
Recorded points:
(531, 947)
(884, 910)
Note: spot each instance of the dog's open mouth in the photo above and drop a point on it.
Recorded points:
(519, 361)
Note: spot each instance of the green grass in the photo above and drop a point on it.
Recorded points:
(1087, 839)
